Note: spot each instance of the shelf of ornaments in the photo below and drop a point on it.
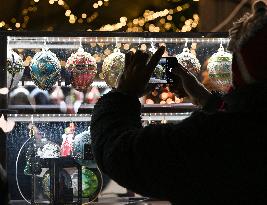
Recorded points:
(46, 70)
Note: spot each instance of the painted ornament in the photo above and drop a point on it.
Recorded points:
(83, 68)
(45, 69)
(92, 183)
(15, 69)
(112, 67)
(189, 61)
(219, 68)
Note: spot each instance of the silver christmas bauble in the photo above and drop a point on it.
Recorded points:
(219, 68)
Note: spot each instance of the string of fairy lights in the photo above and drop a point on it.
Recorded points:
(152, 21)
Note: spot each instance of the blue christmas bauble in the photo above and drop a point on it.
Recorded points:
(45, 69)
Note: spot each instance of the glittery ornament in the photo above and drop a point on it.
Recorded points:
(15, 68)
(83, 69)
(112, 67)
(48, 150)
(91, 183)
(45, 69)
(189, 61)
(219, 68)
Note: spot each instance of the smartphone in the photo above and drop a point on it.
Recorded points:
(162, 73)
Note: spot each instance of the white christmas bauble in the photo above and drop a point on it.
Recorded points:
(49, 150)
(15, 68)
(219, 68)
(189, 61)
(112, 68)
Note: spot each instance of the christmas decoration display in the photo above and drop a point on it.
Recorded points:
(189, 61)
(83, 68)
(219, 68)
(67, 143)
(48, 150)
(15, 68)
(45, 69)
(112, 67)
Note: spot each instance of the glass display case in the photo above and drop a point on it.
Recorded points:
(54, 80)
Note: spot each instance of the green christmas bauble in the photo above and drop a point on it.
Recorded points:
(91, 183)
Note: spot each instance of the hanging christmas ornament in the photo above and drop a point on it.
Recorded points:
(45, 69)
(112, 67)
(219, 68)
(15, 69)
(83, 68)
(189, 61)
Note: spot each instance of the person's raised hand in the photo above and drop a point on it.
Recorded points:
(137, 71)
(193, 88)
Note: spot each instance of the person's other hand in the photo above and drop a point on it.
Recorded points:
(137, 71)
(194, 89)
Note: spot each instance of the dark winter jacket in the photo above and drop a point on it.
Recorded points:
(212, 157)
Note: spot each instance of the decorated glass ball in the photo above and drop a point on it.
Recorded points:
(45, 69)
(91, 183)
(219, 68)
(15, 68)
(189, 61)
(112, 68)
(83, 69)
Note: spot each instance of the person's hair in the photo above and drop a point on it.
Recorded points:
(19, 96)
(248, 26)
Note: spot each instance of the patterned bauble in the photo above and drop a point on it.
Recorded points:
(220, 69)
(45, 69)
(83, 69)
(112, 68)
(92, 183)
(15, 69)
(189, 61)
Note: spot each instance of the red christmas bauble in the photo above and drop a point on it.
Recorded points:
(83, 69)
